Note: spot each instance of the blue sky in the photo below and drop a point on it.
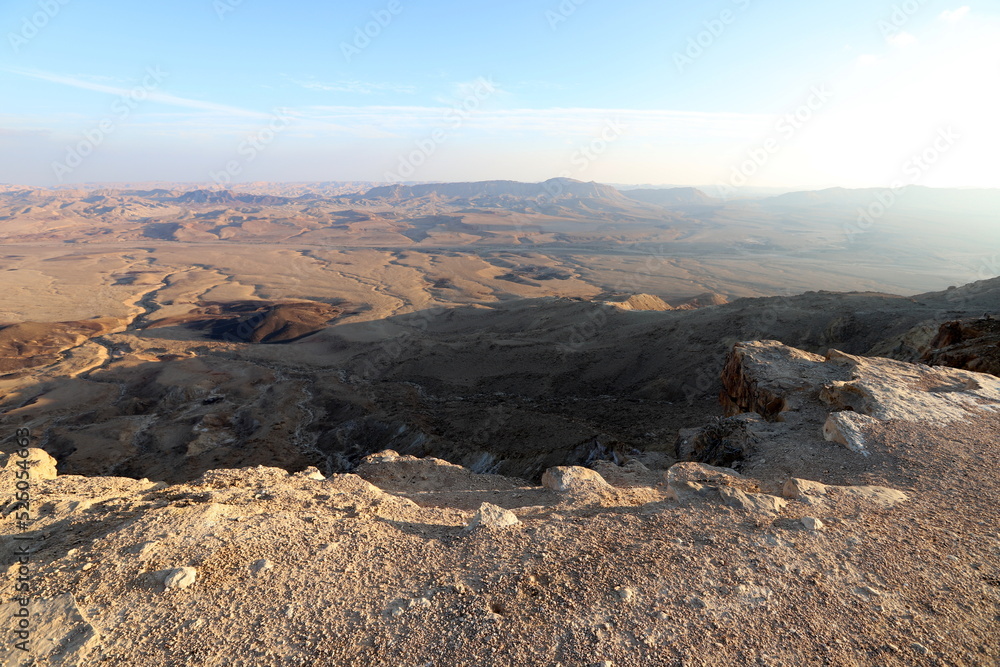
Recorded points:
(730, 92)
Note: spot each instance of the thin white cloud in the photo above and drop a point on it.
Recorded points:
(901, 40)
(954, 16)
(573, 122)
(150, 94)
(358, 87)
(867, 60)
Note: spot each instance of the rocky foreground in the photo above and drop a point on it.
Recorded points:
(857, 522)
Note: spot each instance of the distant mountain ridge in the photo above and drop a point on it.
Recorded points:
(912, 196)
(227, 197)
(552, 188)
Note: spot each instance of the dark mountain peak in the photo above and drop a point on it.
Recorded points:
(227, 197)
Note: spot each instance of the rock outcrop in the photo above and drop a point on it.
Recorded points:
(889, 556)
(574, 479)
(972, 345)
(858, 395)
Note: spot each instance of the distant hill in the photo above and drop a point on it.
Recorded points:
(227, 197)
(911, 196)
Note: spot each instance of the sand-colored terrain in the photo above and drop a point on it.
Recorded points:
(461, 345)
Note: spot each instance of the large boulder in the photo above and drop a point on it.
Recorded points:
(574, 479)
(39, 464)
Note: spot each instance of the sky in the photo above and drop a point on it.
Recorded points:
(857, 93)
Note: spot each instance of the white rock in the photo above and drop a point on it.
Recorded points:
(491, 516)
(312, 472)
(574, 479)
(847, 428)
(812, 523)
(815, 493)
(180, 577)
(39, 464)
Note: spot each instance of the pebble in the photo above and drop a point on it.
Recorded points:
(87, 566)
(919, 648)
(626, 593)
(261, 565)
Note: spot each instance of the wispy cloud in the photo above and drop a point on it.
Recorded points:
(152, 95)
(557, 121)
(358, 87)
(954, 16)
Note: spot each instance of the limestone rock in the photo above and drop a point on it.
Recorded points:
(491, 516)
(248, 477)
(751, 502)
(770, 378)
(41, 464)
(701, 473)
(687, 482)
(847, 428)
(179, 577)
(764, 376)
(803, 489)
(812, 523)
(887, 389)
(815, 493)
(574, 479)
